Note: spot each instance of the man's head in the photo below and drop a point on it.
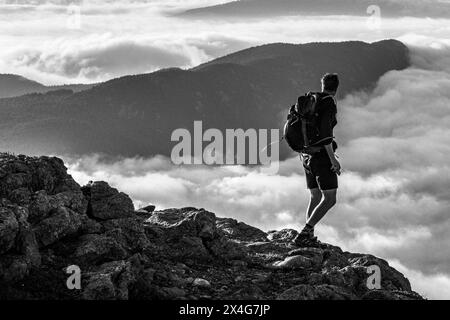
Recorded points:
(330, 83)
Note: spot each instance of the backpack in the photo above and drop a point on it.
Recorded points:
(301, 130)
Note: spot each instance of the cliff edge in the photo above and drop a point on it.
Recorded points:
(48, 222)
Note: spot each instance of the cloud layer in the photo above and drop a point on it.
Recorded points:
(52, 44)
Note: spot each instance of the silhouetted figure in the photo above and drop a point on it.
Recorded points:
(321, 166)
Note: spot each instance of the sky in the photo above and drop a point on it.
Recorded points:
(394, 198)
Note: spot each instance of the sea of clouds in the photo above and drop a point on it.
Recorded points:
(52, 42)
(394, 198)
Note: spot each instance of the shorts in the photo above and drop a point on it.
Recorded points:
(318, 172)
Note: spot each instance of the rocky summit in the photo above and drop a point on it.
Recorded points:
(53, 232)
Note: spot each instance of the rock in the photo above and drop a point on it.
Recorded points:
(98, 248)
(185, 222)
(391, 279)
(48, 222)
(33, 174)
(129, 232)
(62, 222)
(266, 247)
(294, 262)
(149, 275)
(222, 248)
(332, 258)
(249, 292)
(173, 293)
(90, 226)
(314, 254)
(321, 292)
(18, 239)
(13, 268)
(149, 208)
(192, 233)
(107, 203)
(9, 227)
(239, 263)
(190, 248)
(239, 230)
(202, 283)
(25, 242)
(110, 281)
(41, 204)
(20, 196)
(285, 235)
(39, 207)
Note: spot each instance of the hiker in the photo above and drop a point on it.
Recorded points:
(320, 163)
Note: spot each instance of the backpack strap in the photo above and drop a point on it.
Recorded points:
(330, 96)
(304, 133)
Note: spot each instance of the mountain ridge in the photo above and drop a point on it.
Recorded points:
(135, 115)
(271, 8)
(13, 85)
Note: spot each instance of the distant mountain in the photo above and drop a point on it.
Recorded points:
(12, 85)
(135, 115)
(389, 8)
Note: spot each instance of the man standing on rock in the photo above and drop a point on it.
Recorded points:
(321, 168)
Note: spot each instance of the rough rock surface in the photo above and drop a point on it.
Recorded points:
(48, 223)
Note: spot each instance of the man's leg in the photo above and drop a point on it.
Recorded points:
(314, 200)
(328, 201)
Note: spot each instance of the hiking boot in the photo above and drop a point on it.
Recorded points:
(305, 241)
(305, 238)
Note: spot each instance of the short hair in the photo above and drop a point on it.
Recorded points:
(330, 82)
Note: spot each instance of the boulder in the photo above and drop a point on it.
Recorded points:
(9, 227)
(314, 254)
(61, 223)
(185, 222)
(285, 235)
(110, 281)
(391, 279)
(13, 268)
(267, 247)
(225, 249)
(97, 249)
(41, 204)
(149, 208)
(294, 262)
(240, 231)
(26, 243)
(20, 174)
(90, 226)
(202, 283)
(107, 203)
(129, 232)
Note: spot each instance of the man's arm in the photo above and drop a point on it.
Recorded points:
(335, 165)
(326, 130)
